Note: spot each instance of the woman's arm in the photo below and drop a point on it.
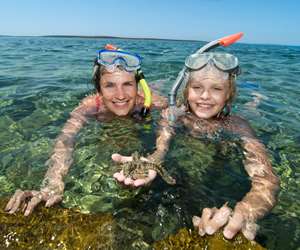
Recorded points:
(61, 158)
(59, 163)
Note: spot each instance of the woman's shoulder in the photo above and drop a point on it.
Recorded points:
(158, 101)
(90, 100)
(88, 105)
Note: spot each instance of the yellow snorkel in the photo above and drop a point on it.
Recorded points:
(147, 93)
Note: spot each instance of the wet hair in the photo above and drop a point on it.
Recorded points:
(232, 94)
(98, 70)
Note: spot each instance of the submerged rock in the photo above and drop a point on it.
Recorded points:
(56, 228)
(188, 239)
(59, 228)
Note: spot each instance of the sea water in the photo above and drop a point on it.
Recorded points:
(43, 78)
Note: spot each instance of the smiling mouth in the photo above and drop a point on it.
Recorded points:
(204, 105)
(120, 103)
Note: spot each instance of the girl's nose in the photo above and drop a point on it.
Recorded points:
(205, 94)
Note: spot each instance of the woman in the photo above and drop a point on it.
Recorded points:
(208, 96)
(116, 76)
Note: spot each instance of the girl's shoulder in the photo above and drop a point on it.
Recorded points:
(240, 125)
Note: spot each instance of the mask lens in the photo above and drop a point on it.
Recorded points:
(225, 61)
(197, 61)
(128, 61)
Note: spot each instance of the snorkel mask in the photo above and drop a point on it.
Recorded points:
(224, 62)
(111, 57)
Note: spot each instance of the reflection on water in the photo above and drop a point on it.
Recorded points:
(43, 79)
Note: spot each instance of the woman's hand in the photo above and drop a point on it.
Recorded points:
(29, 199)
(119, 176)
(213, 219)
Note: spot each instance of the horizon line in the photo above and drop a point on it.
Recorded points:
(136, 38)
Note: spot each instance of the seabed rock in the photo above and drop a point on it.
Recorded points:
(190, 239)
(55, 228)
(68, 229)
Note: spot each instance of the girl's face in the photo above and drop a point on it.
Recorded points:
(119, 91)
(207, 94)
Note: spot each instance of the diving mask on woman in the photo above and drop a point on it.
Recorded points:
(113, 58)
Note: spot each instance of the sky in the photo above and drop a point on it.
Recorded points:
(262, 21)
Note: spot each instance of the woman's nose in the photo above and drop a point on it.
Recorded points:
(120, 94)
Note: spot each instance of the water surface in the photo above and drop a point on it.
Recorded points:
(43, 79)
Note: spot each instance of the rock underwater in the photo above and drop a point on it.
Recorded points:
(55, 228)
(60, 228)
(189, 239)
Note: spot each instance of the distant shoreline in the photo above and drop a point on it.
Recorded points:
(107, 37)
(138, 38)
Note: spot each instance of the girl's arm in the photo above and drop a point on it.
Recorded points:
(163, 139)
(264, 184)
(256, 203)
(162, 145)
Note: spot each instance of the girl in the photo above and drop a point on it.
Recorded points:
(208, 95)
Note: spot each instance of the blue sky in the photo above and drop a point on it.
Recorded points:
(264, 21)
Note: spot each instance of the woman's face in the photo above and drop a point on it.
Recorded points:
(119, 91)
(207, 94)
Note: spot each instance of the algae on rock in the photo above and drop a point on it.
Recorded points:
(188, 239)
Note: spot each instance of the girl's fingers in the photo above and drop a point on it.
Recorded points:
(207, 213)
(249, 230)
(219, 219)
(235, 224)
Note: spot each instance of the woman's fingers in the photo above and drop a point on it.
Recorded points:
(120, 158)
(32, 204)
(12, 200)
(17, 200)
(53, 200)
(119, 176)
(235, 224)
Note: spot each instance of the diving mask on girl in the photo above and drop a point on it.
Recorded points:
(222, 61)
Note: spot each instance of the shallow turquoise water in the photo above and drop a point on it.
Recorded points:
(43, 79)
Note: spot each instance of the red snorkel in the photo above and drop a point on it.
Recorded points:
(225, 41)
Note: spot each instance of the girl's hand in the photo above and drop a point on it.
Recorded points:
(119, 176)
(213, 219)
